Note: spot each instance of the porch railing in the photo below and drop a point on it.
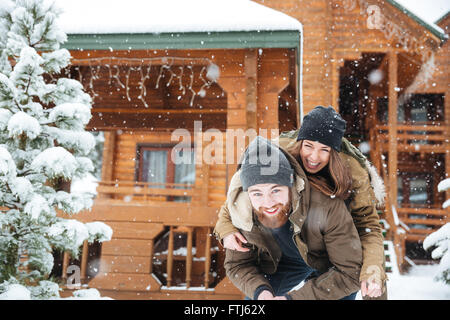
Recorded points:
(188, 255)
(414, 138)
(128, 190)
(420, 222)
(185, 254)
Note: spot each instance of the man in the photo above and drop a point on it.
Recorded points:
(294, 232)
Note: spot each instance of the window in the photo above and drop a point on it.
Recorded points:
(415, 189)
(167, 167)
(419, 109)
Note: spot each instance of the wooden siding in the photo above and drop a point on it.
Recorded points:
(253, 92)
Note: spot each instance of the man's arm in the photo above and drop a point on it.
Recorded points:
(242, 270)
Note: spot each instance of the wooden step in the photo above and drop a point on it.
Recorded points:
(125, 282)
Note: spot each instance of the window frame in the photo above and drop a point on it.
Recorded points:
(171, 166)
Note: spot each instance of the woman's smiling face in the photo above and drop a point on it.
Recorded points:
(314, 155)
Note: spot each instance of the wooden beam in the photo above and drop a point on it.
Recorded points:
(251, 76)
(207, 257)
(189, 257)
(158, 110)
(108, 155)
(170, 258)
(84, 260)
(392, 124)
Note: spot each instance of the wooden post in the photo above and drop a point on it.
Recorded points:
(399, 240)
(336, 66)
(189, 257)
(447, 144)
(207, 257)
(205, 184)
(65, 265)
(170, 258)
(251, 76)
(108, 155)
(152, 243)
(84, 260)
(392, 127)
(235, 87)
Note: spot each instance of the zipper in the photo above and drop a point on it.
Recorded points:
(294, 234)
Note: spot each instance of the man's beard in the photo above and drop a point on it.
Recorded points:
(277, 220)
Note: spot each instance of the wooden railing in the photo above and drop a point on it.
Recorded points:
(171, 256)
(413, 138)
(421, 222)
(395, 232)
(132, 190)
(411, 223)
(74, 278)
(77, 279)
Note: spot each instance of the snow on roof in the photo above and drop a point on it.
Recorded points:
(157, 16)
(428, 11)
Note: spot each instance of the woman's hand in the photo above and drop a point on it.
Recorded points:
(234, 241)
(266, 295)
(371, 288)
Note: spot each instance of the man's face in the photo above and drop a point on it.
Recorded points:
(271, 203)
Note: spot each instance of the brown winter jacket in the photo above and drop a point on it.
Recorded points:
(324, 233)
(362, 207)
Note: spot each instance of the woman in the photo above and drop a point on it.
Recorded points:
(337, 169)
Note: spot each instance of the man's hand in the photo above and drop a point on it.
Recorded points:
(371, 289)
(234, 241)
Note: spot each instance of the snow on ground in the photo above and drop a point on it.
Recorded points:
(417, 284)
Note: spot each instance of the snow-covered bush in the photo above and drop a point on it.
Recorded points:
(439, 241)
(43, 146)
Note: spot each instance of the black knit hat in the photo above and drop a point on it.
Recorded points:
(323, 125)
(264, 162)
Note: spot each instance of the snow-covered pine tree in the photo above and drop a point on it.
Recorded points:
(439, 241)
(43, 145)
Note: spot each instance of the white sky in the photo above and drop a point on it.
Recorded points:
(429, 10)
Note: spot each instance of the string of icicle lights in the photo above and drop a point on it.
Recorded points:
(175, 67)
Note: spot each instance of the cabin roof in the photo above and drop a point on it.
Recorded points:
(424, 13)
(176, 24)
(169, 16)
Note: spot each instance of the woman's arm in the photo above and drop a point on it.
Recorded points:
(365, 217)
(227, 233)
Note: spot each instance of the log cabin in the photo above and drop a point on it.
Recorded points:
(170, 92)
(216, 82)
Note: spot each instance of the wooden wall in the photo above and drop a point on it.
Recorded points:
(334, 31)
(245, 96)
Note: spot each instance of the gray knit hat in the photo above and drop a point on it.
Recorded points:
(324, 125)
(264, 162)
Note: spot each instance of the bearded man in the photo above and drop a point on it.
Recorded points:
(302, 244)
